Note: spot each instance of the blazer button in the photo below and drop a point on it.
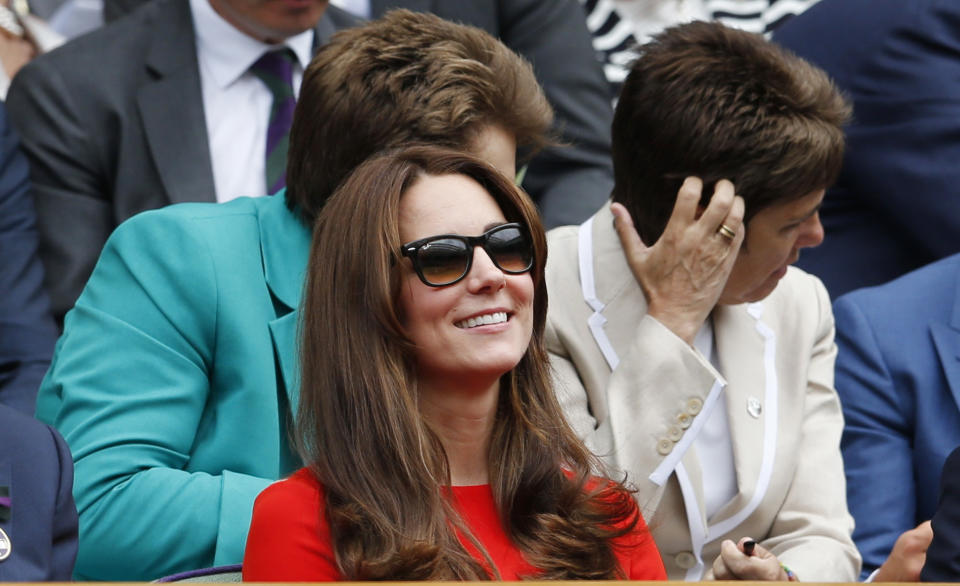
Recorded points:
(694, 405)
(685, 560)
(664, 446)
(674, 433)
(684, 419)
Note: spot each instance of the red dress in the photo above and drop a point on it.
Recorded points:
(290, 542)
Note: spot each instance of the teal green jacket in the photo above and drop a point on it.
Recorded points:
(173, 384)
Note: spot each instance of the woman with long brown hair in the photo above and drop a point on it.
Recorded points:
(434, 444)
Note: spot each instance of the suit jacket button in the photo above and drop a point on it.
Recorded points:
(694, 405)
(683, 420)
(685, 560)
(674, 433)
(664, 446)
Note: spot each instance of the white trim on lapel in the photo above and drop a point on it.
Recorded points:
(698, 536)
(596, 321)
(698, 532)
(770, 424)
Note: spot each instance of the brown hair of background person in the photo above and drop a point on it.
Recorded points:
(388, 83)
(361, 433)
(709, 101)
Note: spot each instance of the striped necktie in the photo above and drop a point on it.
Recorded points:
(275, 69)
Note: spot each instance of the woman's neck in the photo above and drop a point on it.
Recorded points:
(462, 416)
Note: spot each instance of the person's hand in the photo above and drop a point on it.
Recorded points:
(15, 52)
(684, 272)
(907, 557)
(734, 564)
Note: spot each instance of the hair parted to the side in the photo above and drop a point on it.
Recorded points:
(359, 428)
(706, 100)
(407, 77)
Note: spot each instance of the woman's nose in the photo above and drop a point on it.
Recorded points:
(484, 274)
(812, 232)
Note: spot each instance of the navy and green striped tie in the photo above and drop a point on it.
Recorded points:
(275, 69)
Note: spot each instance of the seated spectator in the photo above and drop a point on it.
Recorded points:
(567, 181)
(38, 520)
(687, 351)
(895, 206)
(562, 178)
(434, 443)
(618, 26)
(899, 383)
(171, 105)
(942, 560)
(27, 333)
(175, 377)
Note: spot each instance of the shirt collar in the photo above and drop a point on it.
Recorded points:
(227, 53)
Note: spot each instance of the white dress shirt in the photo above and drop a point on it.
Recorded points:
(236, 104)
(714, 447)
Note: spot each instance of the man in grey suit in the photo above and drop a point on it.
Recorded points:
(568, 181)
(133, 117)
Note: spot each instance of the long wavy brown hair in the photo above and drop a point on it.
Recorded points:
(361, 433)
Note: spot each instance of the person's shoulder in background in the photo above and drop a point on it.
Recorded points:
(943, 556)
(38, 518)
(27, 331)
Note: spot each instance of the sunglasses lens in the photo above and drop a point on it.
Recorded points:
(443, 261)
(511, 250)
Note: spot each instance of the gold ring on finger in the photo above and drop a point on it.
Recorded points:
(726, 232)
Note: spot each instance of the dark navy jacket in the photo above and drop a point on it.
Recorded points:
(896, 206)
(40, 523)
(27, 333)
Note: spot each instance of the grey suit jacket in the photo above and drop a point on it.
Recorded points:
(639, 396)
(113, 124)
(569, 182)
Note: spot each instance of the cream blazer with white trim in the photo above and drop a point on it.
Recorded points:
(642, 415)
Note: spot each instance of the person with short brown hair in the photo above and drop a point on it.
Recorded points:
(714, 102)
(175, 379)
(687, 352)
(386, 84)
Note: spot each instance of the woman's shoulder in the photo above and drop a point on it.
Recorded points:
(301, 487)
(289, 539)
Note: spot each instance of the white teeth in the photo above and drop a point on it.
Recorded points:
(483, 320)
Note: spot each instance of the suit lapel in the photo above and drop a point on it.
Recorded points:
(946, 338)
(332, 20)
(285, 247)
(740, 356)
(614, 283)
(170, 102)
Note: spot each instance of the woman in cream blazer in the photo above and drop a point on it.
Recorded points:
(702, 366)
(639, 395)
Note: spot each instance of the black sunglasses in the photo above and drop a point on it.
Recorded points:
(446, 259)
